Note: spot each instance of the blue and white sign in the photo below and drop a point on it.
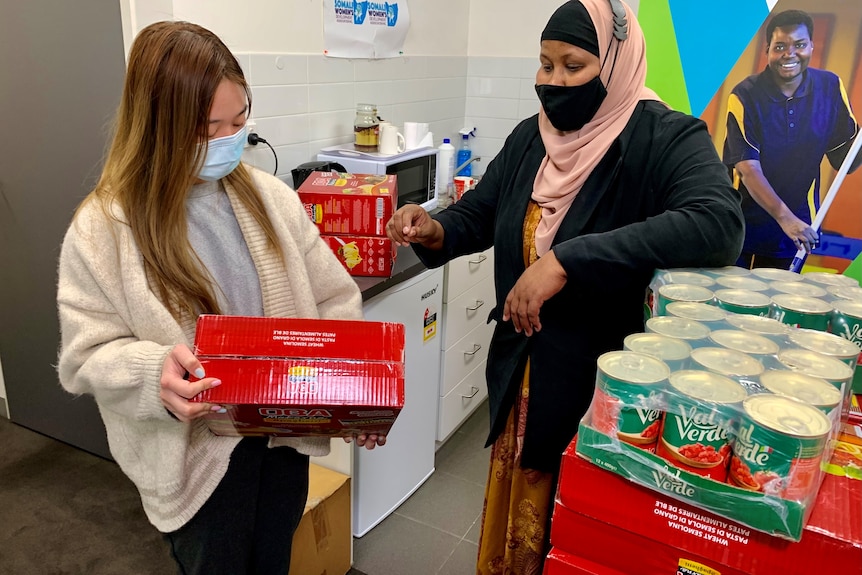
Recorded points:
(364, 28)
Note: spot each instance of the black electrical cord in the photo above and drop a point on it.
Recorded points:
(254, 139)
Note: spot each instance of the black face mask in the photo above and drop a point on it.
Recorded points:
(571, 107)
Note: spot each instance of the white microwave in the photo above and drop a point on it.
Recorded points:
(416, 170)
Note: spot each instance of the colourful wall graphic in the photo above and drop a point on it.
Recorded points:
(697, 51)
(691, 46)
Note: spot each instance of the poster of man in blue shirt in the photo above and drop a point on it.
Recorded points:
(780, 124)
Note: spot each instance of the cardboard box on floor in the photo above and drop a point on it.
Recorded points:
(321, 544)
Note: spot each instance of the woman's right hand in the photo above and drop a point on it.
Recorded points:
(176, 390)
(411, 224)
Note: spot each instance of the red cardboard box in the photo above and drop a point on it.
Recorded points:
(301, 377)
(349, 204)
(558, 562)
(364, 256)
(607, 519)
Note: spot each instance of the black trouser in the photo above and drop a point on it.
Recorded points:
(751, 261)
(246, 526)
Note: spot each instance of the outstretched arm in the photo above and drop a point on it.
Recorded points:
(802, 234)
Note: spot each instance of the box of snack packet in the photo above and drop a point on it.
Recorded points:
(349, 204)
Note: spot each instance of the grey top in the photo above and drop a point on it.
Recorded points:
(215, 236)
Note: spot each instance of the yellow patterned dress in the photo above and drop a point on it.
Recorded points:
(517, 501)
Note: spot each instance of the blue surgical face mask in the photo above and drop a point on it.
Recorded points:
(223, 156)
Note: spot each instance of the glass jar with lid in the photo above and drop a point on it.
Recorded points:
(365, 128)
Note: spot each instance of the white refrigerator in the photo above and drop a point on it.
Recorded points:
(386, 476)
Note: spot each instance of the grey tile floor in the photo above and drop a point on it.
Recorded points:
(436, 531)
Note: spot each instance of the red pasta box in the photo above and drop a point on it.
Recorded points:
(301, 377)
(364, 256)
(349, 204)
(559, 562)
(605, 518)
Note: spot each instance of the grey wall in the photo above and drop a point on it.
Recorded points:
(61, 65)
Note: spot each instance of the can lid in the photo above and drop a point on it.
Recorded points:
(749, 283)
(846, 292)
(816, 364)
(825, 343)
(633, 367)
(744, 341)
(658, 346)
(829, 279)
(812, 390)
(706, 386)
(776, 274)
(678, 327)
(758, 324)
(798, 288)
(696, 310)
(686, 277)
(849, 307)
(685, 292)
(801, 303)
(729, 271)
(726, 361)
(742, 297)
(787, 416)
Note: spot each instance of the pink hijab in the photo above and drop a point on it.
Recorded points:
(572, 156)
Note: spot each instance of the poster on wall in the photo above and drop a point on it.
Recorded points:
(364, 28)
(789, 107)
(783, 103)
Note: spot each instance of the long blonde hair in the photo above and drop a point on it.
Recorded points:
(158, 147)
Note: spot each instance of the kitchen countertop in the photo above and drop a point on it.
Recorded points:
(407, 265)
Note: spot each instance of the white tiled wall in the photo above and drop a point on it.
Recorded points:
(500, 94)
(302, 103)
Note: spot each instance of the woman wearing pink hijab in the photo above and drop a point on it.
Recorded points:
(585, 200)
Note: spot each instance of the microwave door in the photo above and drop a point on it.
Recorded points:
(414, 184)
(417, 198)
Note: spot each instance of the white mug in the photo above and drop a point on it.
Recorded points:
(414, 132)
(391, 140)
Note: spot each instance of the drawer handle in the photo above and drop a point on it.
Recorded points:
(476, 347)
(479, 303)
(474, 391)
(482, 258)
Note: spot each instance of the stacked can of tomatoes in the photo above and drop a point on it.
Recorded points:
(729, 382)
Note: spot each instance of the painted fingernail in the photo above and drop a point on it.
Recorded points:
(215, 383)
(218, 409)
(199, 373)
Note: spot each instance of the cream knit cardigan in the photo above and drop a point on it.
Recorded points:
(116, 333)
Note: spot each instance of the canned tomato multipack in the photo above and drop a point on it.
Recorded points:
(730, 402)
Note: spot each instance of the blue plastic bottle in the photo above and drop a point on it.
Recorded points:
(464, 154)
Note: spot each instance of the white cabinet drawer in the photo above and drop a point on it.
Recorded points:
(463, 272)
(461, 402)
(467, 312)
(464, 356)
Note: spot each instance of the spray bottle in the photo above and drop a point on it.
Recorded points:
(464, 152)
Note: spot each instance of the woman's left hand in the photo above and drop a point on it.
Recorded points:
(537, 284)
(369, 441)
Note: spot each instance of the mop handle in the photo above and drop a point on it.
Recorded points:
(799, 259)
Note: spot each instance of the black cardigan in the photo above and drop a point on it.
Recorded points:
(660, 198)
